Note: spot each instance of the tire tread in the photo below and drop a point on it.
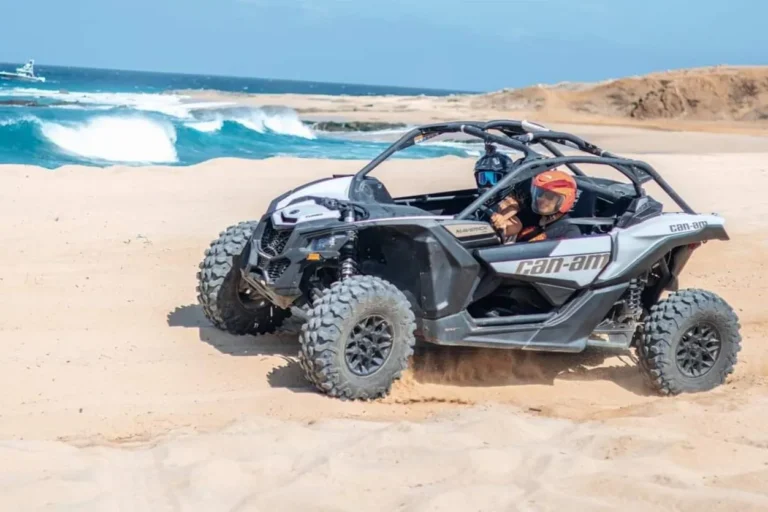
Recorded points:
(662, 325)
(319, 335)
(215, 267)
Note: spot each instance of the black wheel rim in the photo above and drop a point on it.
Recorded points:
(698, 350)
(368, 345)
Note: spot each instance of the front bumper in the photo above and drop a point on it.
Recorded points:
(274, 261)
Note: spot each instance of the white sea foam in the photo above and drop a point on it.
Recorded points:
(18, 120)
(205, 126)
(169, 104)
(282, 120)
(115, 139)
(470, 149)
(202, 116)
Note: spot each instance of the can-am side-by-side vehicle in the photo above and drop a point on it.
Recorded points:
(371, 275)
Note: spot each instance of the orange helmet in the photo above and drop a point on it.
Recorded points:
(556, 187)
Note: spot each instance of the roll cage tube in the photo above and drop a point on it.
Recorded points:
(536, 133)
(432, 130)
(525, 131)
(518, 135)
(531, 133)
(537, 166)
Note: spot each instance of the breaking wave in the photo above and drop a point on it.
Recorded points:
(279, 120)
(116, 139)
(52, 128)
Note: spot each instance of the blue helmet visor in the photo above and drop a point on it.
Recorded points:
(488, 178)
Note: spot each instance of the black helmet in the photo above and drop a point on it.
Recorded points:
(491, 167)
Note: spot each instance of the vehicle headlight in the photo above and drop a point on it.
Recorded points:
(325, 243)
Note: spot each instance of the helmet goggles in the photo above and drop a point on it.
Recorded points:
(488, 178)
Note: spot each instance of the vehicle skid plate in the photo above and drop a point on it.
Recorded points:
(264, 290)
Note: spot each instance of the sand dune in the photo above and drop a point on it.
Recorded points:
(704, 94)
(119, 395)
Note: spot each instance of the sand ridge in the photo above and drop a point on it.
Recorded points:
(717, 93)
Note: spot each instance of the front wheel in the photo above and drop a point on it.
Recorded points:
(689, 343)
(226, 304)
(358, 338)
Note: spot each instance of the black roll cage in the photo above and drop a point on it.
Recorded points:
(519, 135)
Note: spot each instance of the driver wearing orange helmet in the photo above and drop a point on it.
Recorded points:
(553, 194)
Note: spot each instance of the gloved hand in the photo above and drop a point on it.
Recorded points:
(506, 220)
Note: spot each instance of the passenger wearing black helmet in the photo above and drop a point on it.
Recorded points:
(517, 216)
(491, 167)
(489, 170)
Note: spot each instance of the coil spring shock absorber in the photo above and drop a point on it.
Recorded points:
(632, 301)
(349, 249)
(635, 292)
(635, 298)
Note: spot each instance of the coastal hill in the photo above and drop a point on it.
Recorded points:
(703, 94)
(713, 99)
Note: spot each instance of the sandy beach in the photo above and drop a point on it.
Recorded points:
(118, 395)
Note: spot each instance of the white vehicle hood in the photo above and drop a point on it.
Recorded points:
(305, 211)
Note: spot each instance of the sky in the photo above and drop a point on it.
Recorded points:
(474, 45)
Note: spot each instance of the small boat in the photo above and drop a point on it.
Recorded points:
(25, 73)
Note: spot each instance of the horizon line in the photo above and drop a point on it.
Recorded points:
(243, 77)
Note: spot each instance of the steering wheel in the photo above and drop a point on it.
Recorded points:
(487, 211)
(484, 213)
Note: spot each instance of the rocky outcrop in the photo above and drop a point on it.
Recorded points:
(664, 102)
(32, 103)
(353, 126)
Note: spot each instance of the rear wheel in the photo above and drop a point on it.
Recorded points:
(226, 303)
(357, 338)
(690, 342)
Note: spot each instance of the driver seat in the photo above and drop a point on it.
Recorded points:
(583, 212)
(584, 206)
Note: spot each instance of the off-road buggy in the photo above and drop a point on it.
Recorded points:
(370, 276)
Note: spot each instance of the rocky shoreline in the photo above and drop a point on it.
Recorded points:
(34, 103)
(354, 126)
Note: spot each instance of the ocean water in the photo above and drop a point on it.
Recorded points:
(105, 117)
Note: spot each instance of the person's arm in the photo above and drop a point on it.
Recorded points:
(506, 221)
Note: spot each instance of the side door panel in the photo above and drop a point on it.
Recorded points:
(639, 246)
(573, 263)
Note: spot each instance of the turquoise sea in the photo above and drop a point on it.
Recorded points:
(105, 117)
